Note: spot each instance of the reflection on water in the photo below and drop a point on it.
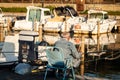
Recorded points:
(89, 39)
(102, 53)
(104, 68)
(92, 42)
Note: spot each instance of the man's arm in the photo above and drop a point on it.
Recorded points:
(74, 51)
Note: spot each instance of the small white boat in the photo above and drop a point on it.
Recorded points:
(37, 16)
(65, 19)
(10, 48)
(97, 22)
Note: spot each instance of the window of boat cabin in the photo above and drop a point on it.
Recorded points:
(71, 10)
(34, 15)
(106, 16)
(61, 11)
(98, 15)
(66, 11)
(0, 11)
(47, 13)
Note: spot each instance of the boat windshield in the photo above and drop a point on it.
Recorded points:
(98, 15)
(105, 16)
(47, 13)
(34, 15)
(66, 11)
(1, 12)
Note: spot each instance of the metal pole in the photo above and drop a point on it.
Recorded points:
(32, 2)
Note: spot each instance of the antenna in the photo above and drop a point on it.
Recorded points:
(42, 3)
(32, 2)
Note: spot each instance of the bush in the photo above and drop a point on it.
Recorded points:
(13, 9)
(19, 9)
(114, 12)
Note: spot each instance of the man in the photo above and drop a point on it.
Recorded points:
(69, 48)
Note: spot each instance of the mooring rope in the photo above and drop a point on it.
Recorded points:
(107, 57)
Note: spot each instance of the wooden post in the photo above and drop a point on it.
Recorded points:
(98, 35)
(82, 56)
(1, 33)
(8, 26)
(79, 35)
(65, 24)
(40, 33)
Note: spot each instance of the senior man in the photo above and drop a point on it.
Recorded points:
(69, 48)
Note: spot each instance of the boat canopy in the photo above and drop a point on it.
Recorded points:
(97, 11)
(66, 11)
(97, 14)
(34, 13)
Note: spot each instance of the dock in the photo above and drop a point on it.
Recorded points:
(7, 74)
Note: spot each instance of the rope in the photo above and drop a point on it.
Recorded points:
(113, 58)
(107, 58)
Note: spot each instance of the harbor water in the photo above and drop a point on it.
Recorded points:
(102, 57)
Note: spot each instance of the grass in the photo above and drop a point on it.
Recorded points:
(13, 9)
(114, 12)
(16, 9)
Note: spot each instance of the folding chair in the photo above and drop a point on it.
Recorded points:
(56, 61)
